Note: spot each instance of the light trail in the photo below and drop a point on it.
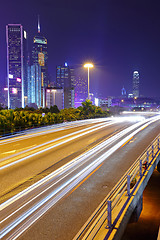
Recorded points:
(68, 185)
(65, 126)
(4, 161)
(80, 132)
(52, 129)
(77, 160)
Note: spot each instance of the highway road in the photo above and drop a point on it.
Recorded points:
(52, 180)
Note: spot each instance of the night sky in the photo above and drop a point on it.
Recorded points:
(117, 36)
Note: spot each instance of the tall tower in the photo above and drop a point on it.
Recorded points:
(81, 88)
(40, 55)
(34, 85)
(65, 78)
(16, 60)
(135, 84)
(38, 70)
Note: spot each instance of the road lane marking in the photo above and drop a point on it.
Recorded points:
(86, 154)
(12, 151)
(126, 142)
(65, 187)
(55, 129)
(85, 179)
(80, 133)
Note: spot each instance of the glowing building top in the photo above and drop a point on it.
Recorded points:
(135, 84)
(40, 55)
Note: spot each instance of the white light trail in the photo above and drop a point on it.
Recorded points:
(51, 129)
(80, 132)
(67, 186)
(75, 161)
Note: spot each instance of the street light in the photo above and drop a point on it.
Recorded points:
(88, 65)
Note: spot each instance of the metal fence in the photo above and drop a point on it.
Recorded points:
(126, 186)
(8, 131)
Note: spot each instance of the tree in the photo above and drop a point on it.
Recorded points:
(54, 109)
(1, 107)
(88, 108)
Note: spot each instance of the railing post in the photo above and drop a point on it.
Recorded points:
(128, 185)
(158, 143)
(152, 151)
(147, 157)
(140, 168)
(109, 214)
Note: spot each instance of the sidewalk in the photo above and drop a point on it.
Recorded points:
(147, 227)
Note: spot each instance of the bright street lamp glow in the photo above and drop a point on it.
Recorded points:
(88, 65)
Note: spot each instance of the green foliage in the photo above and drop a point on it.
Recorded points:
(20, 119)
(54, 109)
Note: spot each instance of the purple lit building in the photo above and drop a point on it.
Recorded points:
(81, 86)
(39, 70)
(16, 39)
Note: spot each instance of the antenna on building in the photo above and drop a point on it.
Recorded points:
(39, 28)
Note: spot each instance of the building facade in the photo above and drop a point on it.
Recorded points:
(65, 79)
(38, 71)
(135, 84)
(34, 85)
(16, 39)
(54, 96)
(81, 89)
(40, 57)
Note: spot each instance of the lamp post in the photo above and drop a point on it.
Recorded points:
(88, 65)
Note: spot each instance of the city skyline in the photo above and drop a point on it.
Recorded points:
(108, 34)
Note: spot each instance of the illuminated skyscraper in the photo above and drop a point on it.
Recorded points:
(65, 78)
(81, 86)
(34, 85)
(135, 84)
(40, 55)
(16, 39)
(38, 70)
(81, 89)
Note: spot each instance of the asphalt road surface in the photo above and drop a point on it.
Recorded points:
(72, 170)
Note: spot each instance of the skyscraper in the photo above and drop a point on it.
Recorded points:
(135, 84)
(38, 71)
(16, 39)
(81, 88)
(40, 55)
(34, 85)
(65, 78)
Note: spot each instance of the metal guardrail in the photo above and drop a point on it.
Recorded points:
(7, 132)
(126, 185)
